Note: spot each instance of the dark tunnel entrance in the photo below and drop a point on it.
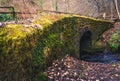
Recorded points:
(88, 52)
(85, 42)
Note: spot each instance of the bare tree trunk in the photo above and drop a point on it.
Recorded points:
(116, 5)
(111, 10)
(68, 6)
(104, 9)
(56, 5)
(41, 4)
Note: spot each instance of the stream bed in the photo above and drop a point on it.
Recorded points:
(101, 57)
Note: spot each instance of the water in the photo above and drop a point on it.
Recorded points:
(101, 57)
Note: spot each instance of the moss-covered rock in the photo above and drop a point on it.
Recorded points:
(25, 52)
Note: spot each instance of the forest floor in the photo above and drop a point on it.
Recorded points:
(72, 69)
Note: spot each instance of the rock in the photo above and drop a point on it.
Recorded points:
(36, 26)
(26, 26)
(1, 24)
(23, 30)
(29, 21)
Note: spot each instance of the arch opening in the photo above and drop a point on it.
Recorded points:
(85, 42)
(91, 55)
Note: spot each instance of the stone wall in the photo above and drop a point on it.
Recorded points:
(92, 8)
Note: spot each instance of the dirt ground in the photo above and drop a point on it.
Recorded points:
(72, 69)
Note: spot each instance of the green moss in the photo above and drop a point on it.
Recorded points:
(4, 17)
(114, 41)
(43, 21)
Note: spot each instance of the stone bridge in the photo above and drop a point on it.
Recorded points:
(28, 47)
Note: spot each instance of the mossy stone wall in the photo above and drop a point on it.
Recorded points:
(25, 52)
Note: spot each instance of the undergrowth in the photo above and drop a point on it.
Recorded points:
(114, 41)
(5, 17)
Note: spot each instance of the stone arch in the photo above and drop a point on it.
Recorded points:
(85, 41)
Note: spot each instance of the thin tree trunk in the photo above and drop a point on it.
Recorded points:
(104, 9)
(68, 6)
(56, 5)
(111, 10)
(116, 5)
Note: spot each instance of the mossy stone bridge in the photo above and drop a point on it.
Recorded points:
(34, 45)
